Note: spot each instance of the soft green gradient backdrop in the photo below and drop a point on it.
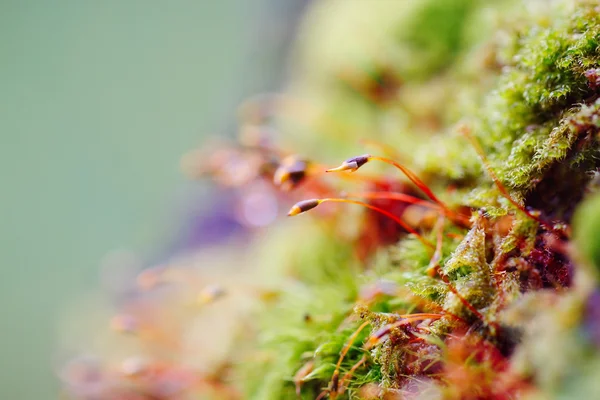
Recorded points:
(98, 100)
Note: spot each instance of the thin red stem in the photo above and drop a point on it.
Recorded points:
(437, 255)
(421, 185)
(413, 178)
(349, 344)
(336, 373)
(395, 196)
(349, 374)
(374, 339)
(464, 301)
(501, 188)
(400, 222)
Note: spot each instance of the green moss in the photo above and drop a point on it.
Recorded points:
(587, 232)
(527, 125)
(306, 324)
(538, 128)
(504, 299)
(436, 35)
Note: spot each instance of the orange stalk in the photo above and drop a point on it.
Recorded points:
(394, 196)
(336, 373)
(501, 188)
(355, 163)
(306, 205)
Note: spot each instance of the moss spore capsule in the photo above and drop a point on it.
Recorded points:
(291, 173)
(306, 205)
(303, 206)
(352, 164)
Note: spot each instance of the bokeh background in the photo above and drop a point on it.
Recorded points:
(98, 101)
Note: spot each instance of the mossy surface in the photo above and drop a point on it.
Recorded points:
(494, 299)
(538, 126)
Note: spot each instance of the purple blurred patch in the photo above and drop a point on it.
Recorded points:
(211, 225)
(591, 320)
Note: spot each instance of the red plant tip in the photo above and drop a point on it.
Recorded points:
(352, 164)
(303, 206)
(378, 336)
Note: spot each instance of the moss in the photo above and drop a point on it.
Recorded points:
(587, 224)
(436, 35)
(494, 302)
(527, 125)
(307, 324)
(538, 128)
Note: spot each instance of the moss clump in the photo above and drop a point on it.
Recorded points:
(586, 233)
(538, 128)
(493, 301)
(529, 125)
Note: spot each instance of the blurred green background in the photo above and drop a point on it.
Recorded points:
(98, 101)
